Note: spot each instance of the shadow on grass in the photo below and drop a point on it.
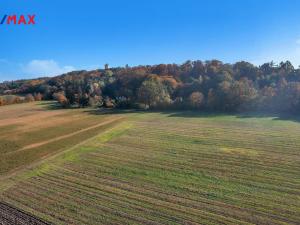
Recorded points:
(169, 113)
(105, 111)
(195, 114)
(274, 116)
(203, 114)
(52, 105)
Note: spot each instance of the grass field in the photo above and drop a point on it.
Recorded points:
(30, 132)
(152, 168)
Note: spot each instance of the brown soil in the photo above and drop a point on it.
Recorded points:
(10, 215)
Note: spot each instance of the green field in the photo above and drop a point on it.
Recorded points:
(155, 168)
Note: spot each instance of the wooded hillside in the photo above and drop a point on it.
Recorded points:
(210, 85)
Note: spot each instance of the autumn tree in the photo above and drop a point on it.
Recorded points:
(196, 100)
(289, 98)
(242, 95)
(95, 101)
(29, 98)
(38, 97)
(11, 99)
(61, 99)
(83, 100)
(153, 93)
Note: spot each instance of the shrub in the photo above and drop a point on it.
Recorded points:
(38, 97)
(62, 100)
(2, 101)
(29, 98)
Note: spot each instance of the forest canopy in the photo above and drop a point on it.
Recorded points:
(197, 85)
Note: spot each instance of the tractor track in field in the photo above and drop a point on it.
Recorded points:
(51, 156)
(35, 145)
(9, 215)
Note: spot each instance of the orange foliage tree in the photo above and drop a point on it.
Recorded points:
(29, 98)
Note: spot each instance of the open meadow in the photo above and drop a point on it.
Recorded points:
(86, 167)
(30, 132)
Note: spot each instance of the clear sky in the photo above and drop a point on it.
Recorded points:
(73, 35)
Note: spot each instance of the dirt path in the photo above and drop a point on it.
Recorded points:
(10, 215)
(5, 181)
(66, 136)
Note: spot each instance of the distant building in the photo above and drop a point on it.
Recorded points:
(106, 66)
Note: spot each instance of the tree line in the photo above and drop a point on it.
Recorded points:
(198, 85)
(15, 99)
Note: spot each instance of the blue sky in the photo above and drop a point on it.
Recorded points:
(74, 35)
